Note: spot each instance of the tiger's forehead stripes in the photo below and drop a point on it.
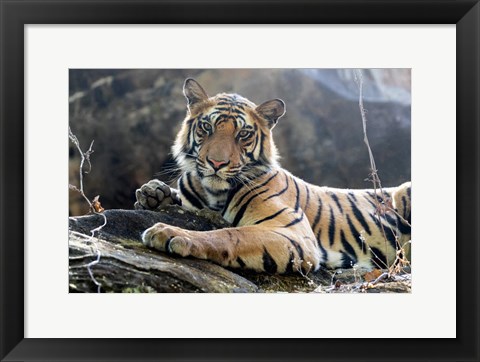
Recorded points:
(234, 100)
(230, 108)
(225, 118)
(233, 104)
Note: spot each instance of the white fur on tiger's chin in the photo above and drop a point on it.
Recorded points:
(215, 182)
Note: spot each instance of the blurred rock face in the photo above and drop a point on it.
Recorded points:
(133, 116)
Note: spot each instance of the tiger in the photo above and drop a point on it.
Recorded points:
(278, 222)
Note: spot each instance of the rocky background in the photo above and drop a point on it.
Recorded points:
(133, 116)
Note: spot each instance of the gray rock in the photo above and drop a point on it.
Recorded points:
(127, 266)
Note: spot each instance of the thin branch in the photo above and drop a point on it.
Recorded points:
(373, 168)
(386, 205)
(85, 157)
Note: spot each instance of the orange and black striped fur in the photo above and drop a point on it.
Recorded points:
(280, 223)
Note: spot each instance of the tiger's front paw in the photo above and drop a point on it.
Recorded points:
(168, 238)
(154, 195)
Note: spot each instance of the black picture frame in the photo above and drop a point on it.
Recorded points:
(15, 14)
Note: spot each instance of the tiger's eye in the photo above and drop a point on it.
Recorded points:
(244, 134)
(207, 127)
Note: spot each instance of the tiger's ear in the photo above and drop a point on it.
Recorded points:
(194, 92)
(271, 111)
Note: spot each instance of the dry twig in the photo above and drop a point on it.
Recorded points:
(94, 207)
(385, 205)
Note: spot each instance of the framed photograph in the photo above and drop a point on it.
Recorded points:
(271, 237)
(112, 69)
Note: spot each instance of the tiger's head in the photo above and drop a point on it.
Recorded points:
(226, 139)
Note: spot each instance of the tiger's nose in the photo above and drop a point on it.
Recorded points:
(217, 165)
